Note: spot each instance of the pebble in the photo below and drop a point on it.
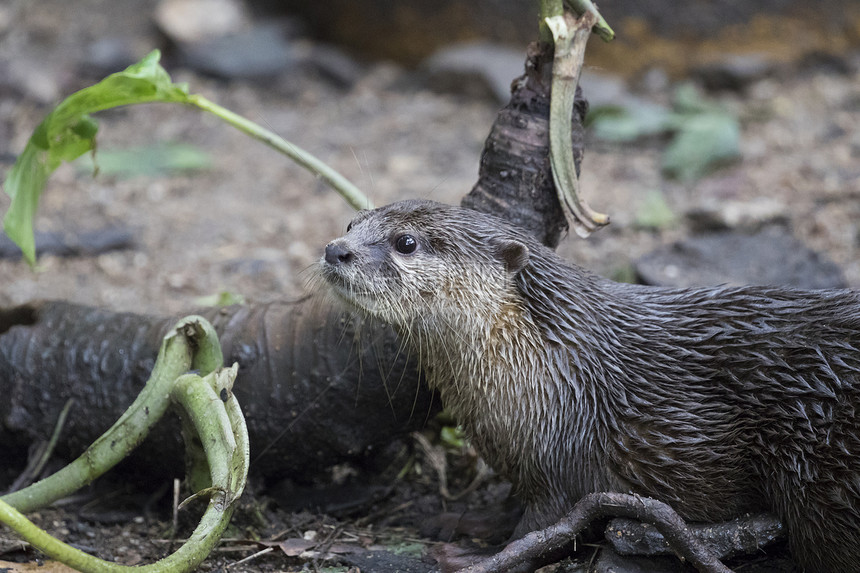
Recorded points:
(220, 38)
(262, 51)
(735, 72)
(193, 21)
(486, 70)
(29, 79)
(771, 256)
(750, 215)
(6, 18)
(475, 69)
(108, 55)
(331, 63)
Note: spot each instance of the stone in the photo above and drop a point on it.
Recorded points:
(486, 69)
(734, 72)
(332, 64)
(771, 256)
(192, 21)
(477, 69)
(108, 55)
(261, 51)
(747, 215)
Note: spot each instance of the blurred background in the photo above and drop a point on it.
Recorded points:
(723, 137)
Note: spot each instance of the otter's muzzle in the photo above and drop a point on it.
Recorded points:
(336, 253)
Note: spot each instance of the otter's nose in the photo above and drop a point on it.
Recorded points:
(337, 254)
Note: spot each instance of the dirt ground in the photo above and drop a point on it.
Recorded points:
(254, 223)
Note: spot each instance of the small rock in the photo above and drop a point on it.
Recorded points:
(746, 215)
(262, 51)
(855, 145)
(853, 59)
(192, 21)
(30, 79)
(734, 73)
(485, 69)
(332, 63)
(771, 256)
(93, 242)
(832, 62)
(477, 69)
(108, 55)
(217, 37)
(655, 81)
(6, 17)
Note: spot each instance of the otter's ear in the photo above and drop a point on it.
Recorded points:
(514, 254)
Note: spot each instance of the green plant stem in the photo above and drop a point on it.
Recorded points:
(350, 192)
(229, 473)
(222, 431)
(68, 132)
(600, 26)
(175, 357)
(570, 38)
(548, 9)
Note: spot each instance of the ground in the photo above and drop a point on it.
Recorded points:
(254, 224)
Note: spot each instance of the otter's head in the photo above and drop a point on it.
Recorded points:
(417, 263)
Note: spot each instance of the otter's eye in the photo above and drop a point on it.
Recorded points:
(349, 227)
(406, 244)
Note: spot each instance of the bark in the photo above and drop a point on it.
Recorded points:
(515, 181)
(317, 386)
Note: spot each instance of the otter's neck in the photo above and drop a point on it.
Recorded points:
(516, 390)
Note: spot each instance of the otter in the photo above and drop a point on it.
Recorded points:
(718, 401)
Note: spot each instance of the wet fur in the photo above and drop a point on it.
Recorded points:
(716, 400)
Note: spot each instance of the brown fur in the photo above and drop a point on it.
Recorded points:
(716, 400)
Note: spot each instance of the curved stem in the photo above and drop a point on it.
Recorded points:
(192, 344)
(570, 38)
(348, 191)
(174, 358)
(225, 438)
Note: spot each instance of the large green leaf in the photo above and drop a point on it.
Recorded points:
(704, 135)
(152, 160)
(624, 124)
(68, 132)
(704, 142)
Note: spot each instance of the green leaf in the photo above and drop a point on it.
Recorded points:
(625, 273)
(410, 548)
(629, 123)
(148, 160)
(452, 436)
(703, 143)
(689, 99)
(68, 132)
(223, 298)
(654, 213)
